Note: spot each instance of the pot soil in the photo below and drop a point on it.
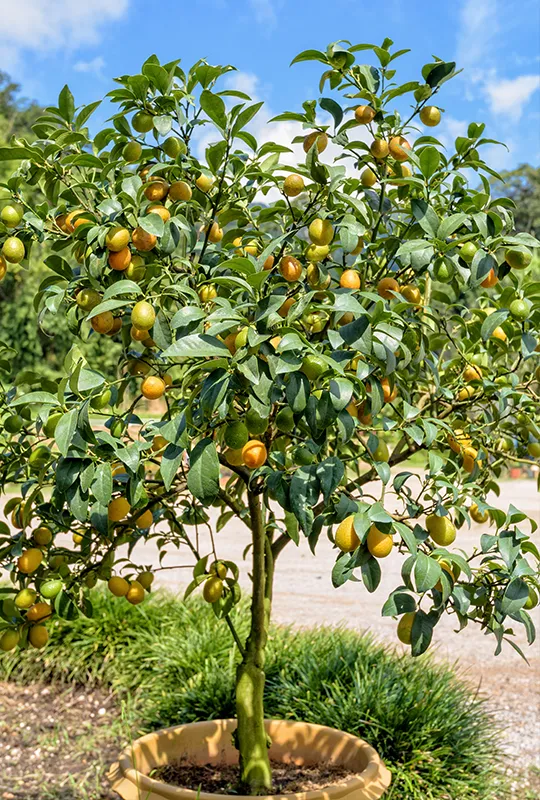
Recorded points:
(294, 743)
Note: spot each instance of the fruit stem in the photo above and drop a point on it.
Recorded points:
(251, 738)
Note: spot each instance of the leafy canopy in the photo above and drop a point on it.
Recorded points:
(298, 330)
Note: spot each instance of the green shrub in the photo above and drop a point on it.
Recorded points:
(435, 734)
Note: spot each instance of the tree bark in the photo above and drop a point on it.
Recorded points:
(252, 741)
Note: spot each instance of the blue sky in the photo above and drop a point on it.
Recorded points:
(46, 43)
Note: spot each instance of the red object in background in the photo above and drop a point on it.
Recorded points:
(515, 472)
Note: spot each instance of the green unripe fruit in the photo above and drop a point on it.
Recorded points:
(101, 400)
(302, 456)
(132, 151)
(533, 449)
(39, 456)
(518, 257)
(88, 299)
(174, 147)
(50, 426)
(519, 309)
(285, 420)
(142, 122)
(241, 338)
(468, 252)
(313, 367)
(532, 600)
(90, 580)
(50, 589)
(13, 423)
(11, 215)
(255, 423)
(381, 452)
(136, 269)
(13, 250)
(443, 271)
(9, 640)
(236, 435)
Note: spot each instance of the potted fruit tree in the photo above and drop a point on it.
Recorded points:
(295, 323)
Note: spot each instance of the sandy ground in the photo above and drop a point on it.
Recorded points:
(304, 596)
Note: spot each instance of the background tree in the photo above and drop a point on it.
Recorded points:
(522, 185)
(304, 347)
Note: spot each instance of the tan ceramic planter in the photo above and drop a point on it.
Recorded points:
(211, 742)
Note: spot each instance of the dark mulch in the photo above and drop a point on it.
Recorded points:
(223, 779)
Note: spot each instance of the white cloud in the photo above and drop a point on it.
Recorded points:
(511, 94)
(243, 82)
(477, 31)
(95, 66)
(264, 11)
(48, 25)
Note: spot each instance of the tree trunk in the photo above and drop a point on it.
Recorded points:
(252, 741)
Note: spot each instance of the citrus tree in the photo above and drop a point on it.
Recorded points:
(305, 327)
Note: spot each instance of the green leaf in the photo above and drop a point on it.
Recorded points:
(333, 108)
(214, 107)
(65, 430)
(170, 463)
(427, 572)
(197, 345)
(85, 113)
(371, 574)
(66, 104)
(421, 633)
(14, 153)
(245, 116)
(514, 597)
(330, 473)
(342, 570)
(493, 321)
(65, 607)
(152, 223)
(450, 224)
(103, 484)
(203, 473)
(398, 603)
(425, 216)
(430, 158)
(162, 124)
(310, 55)
(42, 398)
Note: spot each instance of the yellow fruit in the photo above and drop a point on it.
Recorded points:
(135, 593)
(317, 136)
(180, 190)
(143, 316)
(364, 115)
(321, 231)
(404, 628)
(499, 333)
(118, 586)
(215, 234)
(458, 441)
(29, 560)
(38, 636)
(317, 252)
(204, 183)
(156, 189)
(386, 286)
(3, 268)
(254, 454)
(466, 393)
(379, 544)
(161, 211)
(290, 268)
(146, 579)
(359, 247)
(411, 294)
(477, 515)
(39, 612)
(213, 589)
(43, 536)
(430, 116)
(293, 185)
(25, 598)
(117, 238)
(234, 457)
(144, 520)
(368, 178)
(9, 640)
(469, 458)
(472, 374)
(379, 149)
(399, 148)
(153, 387)
(118, 509)
(346, 538)
(441, 529)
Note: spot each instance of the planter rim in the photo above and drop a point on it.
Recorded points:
(131, 784)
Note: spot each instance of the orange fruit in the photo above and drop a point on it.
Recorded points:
(268, 263)
(490, 280)
(117, 324)
(234, 457)
(290, 268)
(29, 560)
(39, 612)
(153, 387)
(142, 240)
(350, 279)
(286, 307)
(157, 189)
(389, 393)
(102, 323)
(404, 628)
(386, 286)
(399, 148)
(254, 454)
(317, 136)
(38, 636)
(472, 374)
(321, 231)
(411, 294)
(215, 234)
(364, 115)
(499, 333)
(120, 259)
(144, 520)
